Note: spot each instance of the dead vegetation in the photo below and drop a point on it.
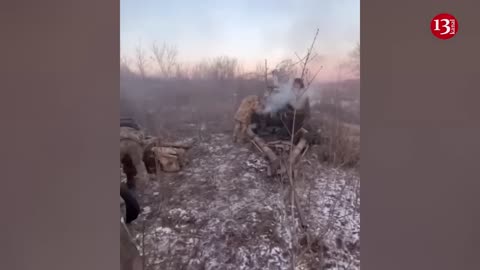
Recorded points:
(339, 149)
(221, 211)
(341, 143)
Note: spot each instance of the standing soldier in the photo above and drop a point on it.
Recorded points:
(298, 111)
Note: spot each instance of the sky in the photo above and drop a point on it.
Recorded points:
(250, 30)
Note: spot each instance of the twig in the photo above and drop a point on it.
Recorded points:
(332, 210)
(309, 53)
(305, 151)
(144, 260)
(301, 214)
(301, 60)
(314, 76)
(266, 74)
(258, 147)
(293, 227)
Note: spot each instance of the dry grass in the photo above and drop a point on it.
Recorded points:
(341, 144)
(193, 107)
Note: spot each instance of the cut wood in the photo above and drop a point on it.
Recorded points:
(287, 143)
(169, 159)
(275, 164)
(186, 144)
(297, 149)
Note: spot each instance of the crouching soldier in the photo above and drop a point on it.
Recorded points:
(243, 117)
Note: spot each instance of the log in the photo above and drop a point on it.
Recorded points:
(261, 143)
(169, 159)
(297, 149)
(275, 164)
(287, 143)
(169, 164)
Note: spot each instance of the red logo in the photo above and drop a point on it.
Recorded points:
(444, 26)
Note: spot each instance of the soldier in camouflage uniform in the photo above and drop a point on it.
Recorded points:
(131, 153)
(243, 116)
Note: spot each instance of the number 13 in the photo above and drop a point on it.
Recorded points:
(445, 25)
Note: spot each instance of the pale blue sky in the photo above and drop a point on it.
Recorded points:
(247, 29)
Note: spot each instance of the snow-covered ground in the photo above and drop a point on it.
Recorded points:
(223, 212)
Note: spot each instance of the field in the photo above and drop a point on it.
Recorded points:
(222, 211)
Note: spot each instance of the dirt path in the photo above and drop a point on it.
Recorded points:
(223, 212)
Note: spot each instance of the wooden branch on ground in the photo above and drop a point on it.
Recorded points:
(279, 142)
(305, 151)
(297, 149)
(258, 147)
(301, 214)
(275, 164)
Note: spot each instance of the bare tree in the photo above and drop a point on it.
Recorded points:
(239, 70)
(166, 59)
(181, 71)
(355, 60)
(141, 61)
(125, 70)
(200, 70)
(219, 68)
(260, 69)
(124, 62)
(224, 67)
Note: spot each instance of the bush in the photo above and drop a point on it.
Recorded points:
(341, 143)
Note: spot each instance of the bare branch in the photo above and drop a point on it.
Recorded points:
(166, 59)
(141, 61)
(309, 53)
(314, 76)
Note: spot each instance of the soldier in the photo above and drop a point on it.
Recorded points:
(129, 204)
(243, 116)
(301, 102)
(131, 154)
(297, 112)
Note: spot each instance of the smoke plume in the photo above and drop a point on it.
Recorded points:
(280, 97)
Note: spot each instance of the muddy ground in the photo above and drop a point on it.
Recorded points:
(223, 212)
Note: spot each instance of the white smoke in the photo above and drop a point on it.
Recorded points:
(280, 98)
(282, 93)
